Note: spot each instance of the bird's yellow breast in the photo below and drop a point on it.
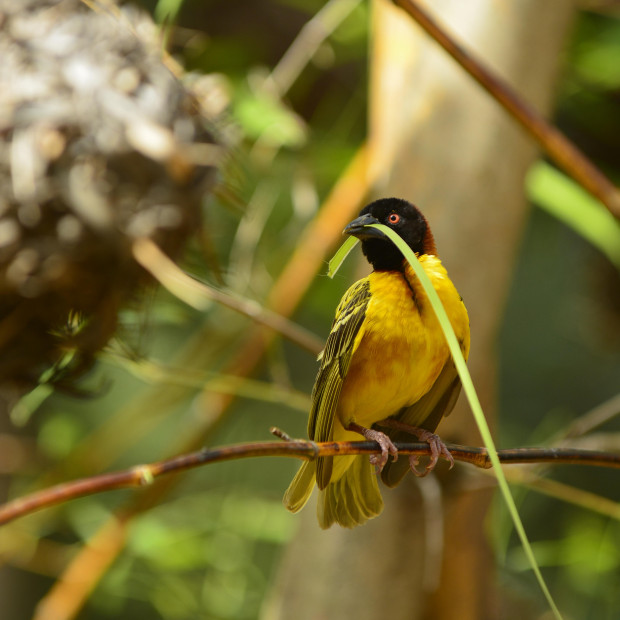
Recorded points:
(400, 348)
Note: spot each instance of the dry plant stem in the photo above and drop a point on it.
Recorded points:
(572, 495)
(593, 419)
(97, 557)
(323, 233)
(559, 148)
(308, 41)
(199, 295)
(145, 474)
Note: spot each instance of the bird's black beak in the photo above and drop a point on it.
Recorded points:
(360, 228)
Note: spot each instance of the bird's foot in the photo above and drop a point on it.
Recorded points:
(437, 446)
(385, 443)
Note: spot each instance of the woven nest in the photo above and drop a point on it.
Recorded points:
(99, 145)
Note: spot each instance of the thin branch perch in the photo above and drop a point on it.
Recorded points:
(143, 475)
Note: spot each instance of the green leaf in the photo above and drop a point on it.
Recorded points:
(59, 434)
(561, 197)
(339, 257)
(474, 403)
(167, 10)
(29, 403)
(266, 118)
(597, 56)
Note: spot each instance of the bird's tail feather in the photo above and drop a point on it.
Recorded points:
(353, 498)
(301, 487)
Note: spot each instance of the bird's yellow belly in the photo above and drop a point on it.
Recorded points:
(406, 355)
(399, 352)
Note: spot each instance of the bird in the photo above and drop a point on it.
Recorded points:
(385, 363)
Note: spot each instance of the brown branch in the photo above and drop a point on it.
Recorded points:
(553, 141)
(142, 475)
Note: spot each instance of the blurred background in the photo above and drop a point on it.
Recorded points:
(322, 107)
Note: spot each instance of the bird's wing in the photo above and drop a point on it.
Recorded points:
(344, 337)
(425, 413)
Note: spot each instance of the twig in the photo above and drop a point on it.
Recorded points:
(593, 419)
(200, 296)
(553, 141)
(143, 475)
(150, 371)
(324, 231)
(564, 492)
(308, 41)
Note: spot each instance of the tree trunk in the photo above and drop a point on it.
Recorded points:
(441, 142)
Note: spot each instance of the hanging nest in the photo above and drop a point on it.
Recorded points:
(100, 144)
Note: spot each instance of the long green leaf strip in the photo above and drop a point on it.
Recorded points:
(339, 257)
(469, 389)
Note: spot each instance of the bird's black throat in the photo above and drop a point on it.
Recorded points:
(382, 254)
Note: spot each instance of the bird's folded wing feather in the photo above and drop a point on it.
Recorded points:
(343, 339)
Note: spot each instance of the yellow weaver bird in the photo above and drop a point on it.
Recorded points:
(385, 361)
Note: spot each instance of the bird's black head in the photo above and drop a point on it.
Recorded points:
(402, 217)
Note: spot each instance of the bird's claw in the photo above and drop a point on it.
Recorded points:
(387, 448)
(414, 461)
(438, 448)
(385, 443)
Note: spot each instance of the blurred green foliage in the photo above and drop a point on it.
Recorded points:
(210, 548)
(572, 205)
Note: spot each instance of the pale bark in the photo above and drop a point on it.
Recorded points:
(444, 144)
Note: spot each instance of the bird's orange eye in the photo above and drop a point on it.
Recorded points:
(393, 218)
